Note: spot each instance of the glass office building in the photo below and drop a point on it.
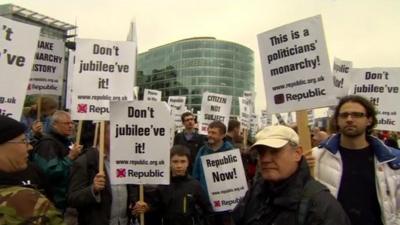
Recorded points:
(193, 66)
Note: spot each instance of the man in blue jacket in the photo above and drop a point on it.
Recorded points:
(215, 144)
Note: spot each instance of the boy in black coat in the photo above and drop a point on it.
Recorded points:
(183, 202)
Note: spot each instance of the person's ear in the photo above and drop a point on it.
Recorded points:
(298, 153)
(369, 121)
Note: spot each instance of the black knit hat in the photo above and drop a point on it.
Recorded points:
(10, 128)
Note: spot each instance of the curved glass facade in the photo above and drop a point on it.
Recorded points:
(192, 66)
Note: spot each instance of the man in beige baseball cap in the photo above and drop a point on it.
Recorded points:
(286, 194)
(279, 152)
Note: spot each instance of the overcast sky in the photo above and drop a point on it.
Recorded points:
(366, 32)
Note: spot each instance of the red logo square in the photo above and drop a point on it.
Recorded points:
(217, 204)
(82, 108)
(121, 172)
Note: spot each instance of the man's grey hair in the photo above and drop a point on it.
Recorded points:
(57, 116)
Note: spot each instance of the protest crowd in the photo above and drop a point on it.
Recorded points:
(128, 165)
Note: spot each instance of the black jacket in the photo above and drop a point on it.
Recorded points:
(172, 197)
(278, 204)
(151, 197)
(80, 194)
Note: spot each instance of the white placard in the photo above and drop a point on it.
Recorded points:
(381, 87)
(152, 95)
(18, 43)
(290, 119)
(140, 143)
(253, 125)
(265, 119)
(104, 71)
(214, 107)
(341, 76)
(177, 105)
(48, 68)
(245, 112)
(252, 98)
(280, 119)
(310, 117)
(71, 63)
(296, 67)
(200, 120)
(225, 178)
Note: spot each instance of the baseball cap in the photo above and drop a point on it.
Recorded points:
(275, 137)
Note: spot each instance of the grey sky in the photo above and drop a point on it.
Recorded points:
(366, 32)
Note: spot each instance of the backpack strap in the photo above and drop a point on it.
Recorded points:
(311, 188)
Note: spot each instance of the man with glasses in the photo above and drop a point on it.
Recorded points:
(360, 171)
(286, 193)
(20, 203)
(189, 137)
(54, 154)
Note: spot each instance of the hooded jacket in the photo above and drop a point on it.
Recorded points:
(329, 168)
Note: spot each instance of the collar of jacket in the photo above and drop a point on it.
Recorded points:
(179, 178)
(383, 153)
(65, 140)
(194, 132)
(288, 193)
(9, 179)
(224, 147)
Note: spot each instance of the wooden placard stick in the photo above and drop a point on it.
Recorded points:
(304, 132)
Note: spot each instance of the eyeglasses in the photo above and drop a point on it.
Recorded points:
(344, 115)
(23, 141)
